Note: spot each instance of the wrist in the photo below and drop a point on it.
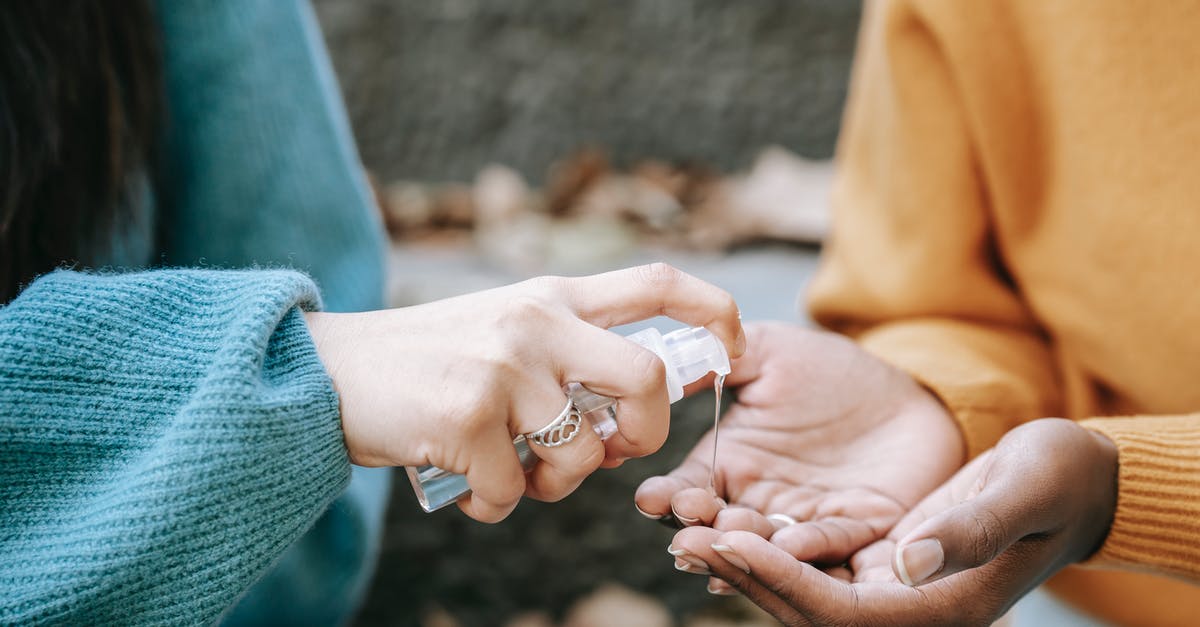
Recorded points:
(1103, 461)
(952, 429)
(319, 330)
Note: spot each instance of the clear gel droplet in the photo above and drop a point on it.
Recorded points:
(718, 385)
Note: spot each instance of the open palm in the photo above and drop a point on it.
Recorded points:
(1043, 498)
(823, 433)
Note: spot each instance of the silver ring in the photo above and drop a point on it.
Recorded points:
(561, 430)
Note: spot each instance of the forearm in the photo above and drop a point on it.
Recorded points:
(913, 270)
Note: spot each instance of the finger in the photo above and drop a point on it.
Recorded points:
(794, 591)
(818, 597)
(748, 366)
(561, 468)
(771, 576)
(657, 289)
(830, 540)
(718, 587)
(873, 563)
(972, 532)
(653, 497)
(696, 545)
(695, 506)
(744, 519)
(495, 475)
(609, 365)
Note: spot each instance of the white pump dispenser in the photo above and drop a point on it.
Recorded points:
(689, 354)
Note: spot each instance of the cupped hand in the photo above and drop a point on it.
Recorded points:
(822, 433)
(450, 383)
(1043, 498)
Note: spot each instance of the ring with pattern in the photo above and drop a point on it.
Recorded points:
(561, 430)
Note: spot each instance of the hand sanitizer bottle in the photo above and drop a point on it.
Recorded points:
(689, 354)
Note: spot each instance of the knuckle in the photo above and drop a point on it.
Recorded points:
(507, 493)
(549, 287)
(527, 308)
(989, 537)
(523, 324)
(727, 304)
(501, 367)
(659, 274)
(470, 410)
(478, 410)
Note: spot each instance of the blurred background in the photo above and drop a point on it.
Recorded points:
(511, 138)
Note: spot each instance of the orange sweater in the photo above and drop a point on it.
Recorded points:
(1017, 224)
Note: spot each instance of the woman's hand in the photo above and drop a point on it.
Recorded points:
(1042, 499)
(450, 383)
(822, 433)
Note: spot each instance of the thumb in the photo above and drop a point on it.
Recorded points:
(969, 534)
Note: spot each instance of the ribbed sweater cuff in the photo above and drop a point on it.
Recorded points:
(167, 435)
(1156, 527)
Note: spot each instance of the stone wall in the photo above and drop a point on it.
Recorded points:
(437, 89)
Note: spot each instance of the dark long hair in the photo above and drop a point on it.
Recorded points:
(80, 109)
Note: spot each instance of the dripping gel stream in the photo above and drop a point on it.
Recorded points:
(718, 385)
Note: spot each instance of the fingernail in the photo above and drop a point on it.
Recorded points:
(781, 520)
(689, 563)
(684, 519)
(731, 556)
(720, 589)
(645, 513)
(918, 561)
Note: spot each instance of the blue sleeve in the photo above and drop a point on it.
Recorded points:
(260, 169)
(259, 165)
(164, 436)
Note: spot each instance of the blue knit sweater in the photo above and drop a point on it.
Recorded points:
(167, 434)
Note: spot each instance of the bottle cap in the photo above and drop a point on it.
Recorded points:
(694, 352)
(689, 354)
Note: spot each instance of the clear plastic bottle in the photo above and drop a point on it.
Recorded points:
(689, 353)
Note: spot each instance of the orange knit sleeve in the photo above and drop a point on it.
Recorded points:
(1156, 527)
(912, 271)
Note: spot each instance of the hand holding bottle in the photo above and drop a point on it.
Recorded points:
(689, 354)
(450, 383)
